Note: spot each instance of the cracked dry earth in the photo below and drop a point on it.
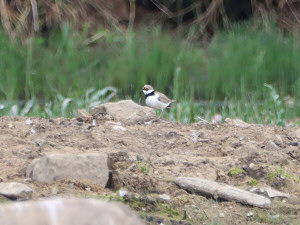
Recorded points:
(154, 155)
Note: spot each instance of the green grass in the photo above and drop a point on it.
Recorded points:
(248, 71)
(236, 171)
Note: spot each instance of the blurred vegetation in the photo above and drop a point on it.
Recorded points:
(56, 75)
(248, 70)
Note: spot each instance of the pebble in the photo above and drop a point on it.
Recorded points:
(250, 214)
(119, 128)
(28, 122)
(54, 191)
(164, 197)
(122, 193)
(32, 131)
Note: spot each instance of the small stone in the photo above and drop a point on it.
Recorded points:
(122, 193)
(119, 128)
(54, 190)
(88, 189)
(28, 122)
(84, 116)
(237, 123)
(164, 197)
(32, 131)
(221, 215)
(250, 214)
(271, 146)
(15, 191)
(194, 136)
(236, 144)
(251, 165)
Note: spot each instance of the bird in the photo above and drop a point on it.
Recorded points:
(156, 100)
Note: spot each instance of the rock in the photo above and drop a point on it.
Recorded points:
(237, 122)
(54, 190)
(250, 214)
(119, 128)
(15, 191)
(269, 192)
(213, 189)
(54, 167)
(194, 136)
(236, 144)
(67, 211)
(164, 197)
(271, 146)
(126, 111)
(84, 116)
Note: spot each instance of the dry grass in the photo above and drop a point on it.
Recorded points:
(26, 17)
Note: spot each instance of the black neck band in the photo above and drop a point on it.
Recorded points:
(151, 93)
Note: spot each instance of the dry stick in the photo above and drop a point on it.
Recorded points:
(5, 18)
(293, 9)
(223, 14)
(35, 15)
(178, 13)
(206, 16)
(131, 14)
(202, 120)
(111, 19)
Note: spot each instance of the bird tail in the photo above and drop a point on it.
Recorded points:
(171, 103)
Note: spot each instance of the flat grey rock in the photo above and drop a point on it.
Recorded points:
(54, 167)
(125, 111)
(15, 191)
(269, 192)
(67, 212)
(222, 191)
(164, 197)
(237, 123)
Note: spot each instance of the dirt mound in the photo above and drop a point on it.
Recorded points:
(147, 158)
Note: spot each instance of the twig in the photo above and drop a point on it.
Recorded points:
(35, 15)
(5, 18)
(202, 120)
(178, 13)
(132, 14)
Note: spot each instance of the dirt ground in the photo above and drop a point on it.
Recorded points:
(148, 158)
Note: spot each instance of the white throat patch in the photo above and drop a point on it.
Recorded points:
(148, 92)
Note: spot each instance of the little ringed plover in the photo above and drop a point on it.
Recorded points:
(156, 100)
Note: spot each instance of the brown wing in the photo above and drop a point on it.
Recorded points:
(164, 98)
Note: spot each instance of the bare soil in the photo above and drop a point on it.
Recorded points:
(147, 158)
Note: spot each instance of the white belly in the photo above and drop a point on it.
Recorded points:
(153, 102)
